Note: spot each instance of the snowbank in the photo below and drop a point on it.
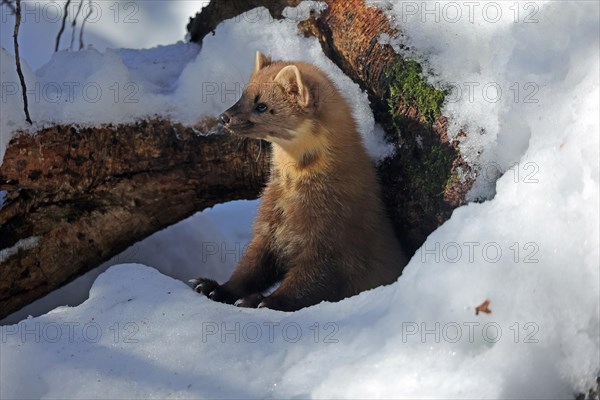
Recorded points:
(532, 250)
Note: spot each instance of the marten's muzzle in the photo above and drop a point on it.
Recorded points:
(235, 120)
(226, 118)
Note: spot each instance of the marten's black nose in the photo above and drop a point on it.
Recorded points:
(224, 118)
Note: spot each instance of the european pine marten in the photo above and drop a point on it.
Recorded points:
(321, 228)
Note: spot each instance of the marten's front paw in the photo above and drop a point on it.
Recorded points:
(213, 290)
(204, 286)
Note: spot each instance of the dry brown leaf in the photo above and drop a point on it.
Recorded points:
(483, 307)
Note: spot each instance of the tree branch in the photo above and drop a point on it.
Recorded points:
(62, 26)
(83, 25)
(74, 24)
(18, 61)
(214, 13)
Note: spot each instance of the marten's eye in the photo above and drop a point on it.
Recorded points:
(261, 107)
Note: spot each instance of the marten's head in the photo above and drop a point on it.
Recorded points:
(280, 103)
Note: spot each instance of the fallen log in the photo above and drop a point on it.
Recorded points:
(78, 196)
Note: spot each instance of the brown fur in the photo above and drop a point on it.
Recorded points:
(321, 228)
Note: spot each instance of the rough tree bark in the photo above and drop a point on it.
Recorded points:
(88, 193)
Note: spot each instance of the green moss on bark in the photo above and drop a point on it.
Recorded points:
(410, 88)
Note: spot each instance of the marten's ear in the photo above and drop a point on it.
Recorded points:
(291, 79)
(261, 61)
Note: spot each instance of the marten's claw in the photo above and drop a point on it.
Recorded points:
(222, 295)
(278, 303)
(251, 301)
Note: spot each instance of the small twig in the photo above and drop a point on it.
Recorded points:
(74, 24)
(62, 27)
(18, 60)
(83, 25)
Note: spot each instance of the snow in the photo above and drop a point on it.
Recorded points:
(22, 244)
(531, 249)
